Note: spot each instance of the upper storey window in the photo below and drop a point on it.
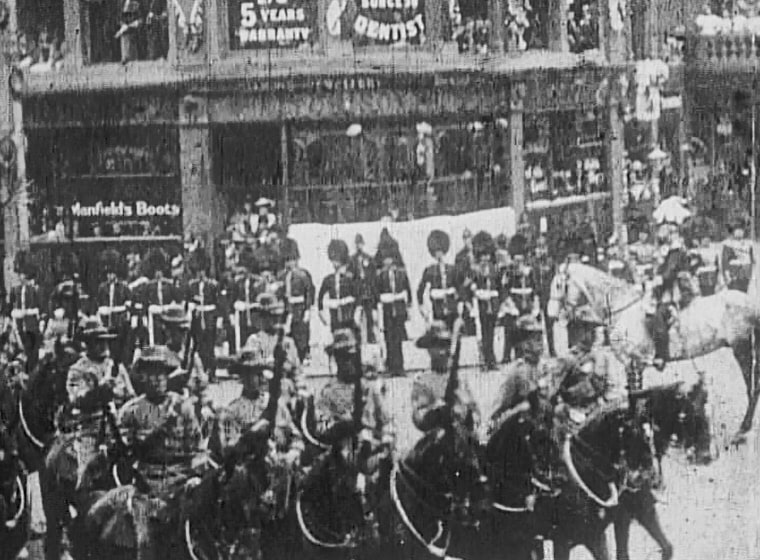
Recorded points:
(41, 45)
(272, 24)
(125, 30)
(583, 25)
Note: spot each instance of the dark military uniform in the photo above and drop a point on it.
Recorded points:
(153, 296)
(395, 296)
(26, 310)
(365, 271)
(440, 279)
(204, 303)
(519, 289)
(737, 261)
(298, 294)
(675, 261)
(113, 301)
(482, 289)
(706, 271)
(341, 289)
(544, 268)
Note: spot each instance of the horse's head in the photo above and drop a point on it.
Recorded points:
(566, 292)
(449, 461)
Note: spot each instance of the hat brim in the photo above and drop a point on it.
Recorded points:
(247, 368)
(342, 348)
(428, 341)
(98, 335)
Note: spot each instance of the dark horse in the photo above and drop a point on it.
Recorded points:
(440, 493)
(13, 505)
(603, 477)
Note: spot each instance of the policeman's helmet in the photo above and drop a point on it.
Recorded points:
(92, 330)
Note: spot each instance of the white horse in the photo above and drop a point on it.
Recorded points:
(727, 319)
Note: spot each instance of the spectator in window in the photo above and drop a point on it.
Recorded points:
(589, 29)
(265, 219)
(474, 35)
(129, 32)
(157, 30)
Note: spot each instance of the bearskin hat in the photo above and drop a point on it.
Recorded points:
(111, 261)
(518, 245)
(67, 264)
(155, 261)
(483, 245)
(388, 249)
(438, 241)
(199, 260)
(289, 250)
(337, 250)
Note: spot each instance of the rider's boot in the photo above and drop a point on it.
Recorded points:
(661, 338)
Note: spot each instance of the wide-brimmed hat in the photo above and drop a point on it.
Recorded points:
(156, 359)
(264, 202)
(90, 328)
(438, 335)
(438, 241)
(175, 315)
(253, 358)
(270, 304)
(344, 341)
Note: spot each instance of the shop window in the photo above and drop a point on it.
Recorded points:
(583, 25)
(41, 45)
(125, 30)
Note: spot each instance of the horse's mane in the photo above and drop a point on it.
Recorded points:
(609, 412)
(619, 292)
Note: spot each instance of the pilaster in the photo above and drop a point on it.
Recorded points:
(516, 145)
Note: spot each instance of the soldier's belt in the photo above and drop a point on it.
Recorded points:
(442, 293)
(616, 265)
(707, 270)
(21, 313)
(106, 310)
(296, 299)
(244, 306)
(392, 298)
(486, 294)
(521, 291)
(157, 309)
(740, 262)
(336, 303)
(201, 308)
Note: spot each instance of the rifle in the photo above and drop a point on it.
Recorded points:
(453, 384)
(275, 384)
(73, 324)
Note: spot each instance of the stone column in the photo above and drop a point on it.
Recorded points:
(496, 15)
(614, 148)
(285, 163)
(516, 156)
(76, 33)
(557, 23)
(204, 208)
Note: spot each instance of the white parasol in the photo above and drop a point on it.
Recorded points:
(672, 210)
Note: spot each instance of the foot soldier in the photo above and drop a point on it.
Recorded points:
(341, 289)
(395, 295)
(440, 281)
(26, 302)
(334, 408)
(364, 270)
(481, 292)
(674, 261)
(244, 415)
(96, 367)
(154, 295)
(738, 258)
(113, 302)
(519, 287)
(65, 311)
(203, 303)
(464, 261)
(429, 410)
(544, 267)
(162, 428)
(248, 285)
(298, 291)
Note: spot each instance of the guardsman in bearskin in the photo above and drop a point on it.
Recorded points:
(738, 258)
(544, 268)
(429, 410)
(616, 265)
(481, 292)
(364, 269)
(155, 294)
(674, 260)
(518, 285)
(26, 306)
(113, 301)
(395, 296)
(298, 292)
(340, 287)
(203, 303)
(440, 281)
(98, 364)
(247, 287)
(244, 414)
(334, 408)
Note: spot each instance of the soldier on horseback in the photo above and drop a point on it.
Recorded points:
(429, 409)
(738, 258)
(666, 290)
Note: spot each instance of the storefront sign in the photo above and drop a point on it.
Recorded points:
(265, 24)
(121, 209)
(390, 21)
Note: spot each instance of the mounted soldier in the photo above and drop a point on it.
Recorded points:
(203, 299)
(155, 294)
(340, 287)
(395, 297)
(480, 292)
(364, 269)
(440, 281)
(26, 306)
(298, 292)
(518, 285)
(113, 302)
(673, 263)
(429, 409)
(738, 258)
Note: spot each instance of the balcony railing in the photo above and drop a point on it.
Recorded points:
(730, 51)
(361, 202)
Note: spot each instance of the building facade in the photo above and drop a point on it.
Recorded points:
(147, 122)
